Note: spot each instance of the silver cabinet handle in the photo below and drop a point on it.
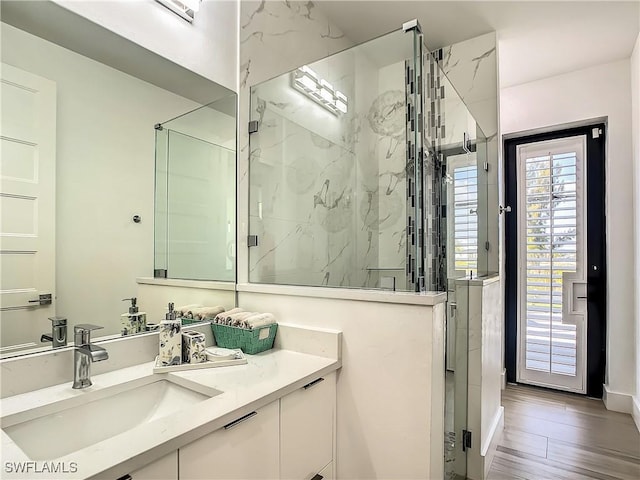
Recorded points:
(314, 383)
(229, 426)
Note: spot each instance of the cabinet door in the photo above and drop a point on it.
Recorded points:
(306, 429)
(245, 449)
(165, 468)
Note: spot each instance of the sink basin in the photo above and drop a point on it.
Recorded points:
(69, 428)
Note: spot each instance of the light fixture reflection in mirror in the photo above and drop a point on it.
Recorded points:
(186, 9)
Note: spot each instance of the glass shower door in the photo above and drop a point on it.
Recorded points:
(332, 190)
(195, 199)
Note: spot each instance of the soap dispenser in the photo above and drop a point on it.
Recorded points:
(170, 349)
(133, 321)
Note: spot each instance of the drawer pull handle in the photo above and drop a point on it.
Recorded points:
(240, 420)
(125, 477)
(315, 382)
(317, 476)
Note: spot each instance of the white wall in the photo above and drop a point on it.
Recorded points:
(599, 91)
(208, 46)
(635, 129)
(105, 175)
(393, 370)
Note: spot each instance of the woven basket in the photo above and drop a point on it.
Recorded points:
(249, 341)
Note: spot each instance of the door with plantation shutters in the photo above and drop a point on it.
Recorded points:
(552, 275)
(462, 221)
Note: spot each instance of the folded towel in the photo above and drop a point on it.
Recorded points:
(237, 319)
(259, 320)
(185, 310)
(204, 313)
(221, 317)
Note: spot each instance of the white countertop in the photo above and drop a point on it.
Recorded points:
(267, 377)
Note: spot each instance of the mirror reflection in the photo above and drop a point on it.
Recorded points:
(195, 208)
(78, 175)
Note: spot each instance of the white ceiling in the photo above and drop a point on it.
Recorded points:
(536, 39)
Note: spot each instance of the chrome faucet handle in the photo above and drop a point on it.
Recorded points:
(58, 337)
(86, 327)
(82, 333)
(58, 321)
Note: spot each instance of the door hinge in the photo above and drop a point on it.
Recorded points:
(486, 246)
(253, 126)
(466, 440)
(160, 273)
(486, 166)
(252, 241)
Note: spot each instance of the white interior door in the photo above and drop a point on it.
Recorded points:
(27, 206)
(552, 263)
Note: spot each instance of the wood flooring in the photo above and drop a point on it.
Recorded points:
(554, 435)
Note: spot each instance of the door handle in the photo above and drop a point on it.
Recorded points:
(315, 382)
(43, 299)
(229, 426)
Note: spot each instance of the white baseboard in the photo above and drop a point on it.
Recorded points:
(617, 401)
(493, 439)
(494, 431)
(636, 411)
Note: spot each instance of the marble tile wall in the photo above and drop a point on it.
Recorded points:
(275, 37)
(471, 67)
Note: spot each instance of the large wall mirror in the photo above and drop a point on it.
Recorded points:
(85, 114)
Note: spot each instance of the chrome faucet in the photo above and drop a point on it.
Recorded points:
(85, 353)
(58, 337)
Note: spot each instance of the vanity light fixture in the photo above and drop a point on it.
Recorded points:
(185, 8)
(306, 81)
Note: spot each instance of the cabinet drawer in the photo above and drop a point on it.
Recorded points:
(306, 429)
(246, 449)
(166, 468)
(326, 473)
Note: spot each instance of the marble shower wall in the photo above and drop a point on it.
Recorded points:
(387, 143)
(326, 191)
(471, 67)
(275, 37)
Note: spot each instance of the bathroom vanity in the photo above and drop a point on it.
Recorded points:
(271, 418)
